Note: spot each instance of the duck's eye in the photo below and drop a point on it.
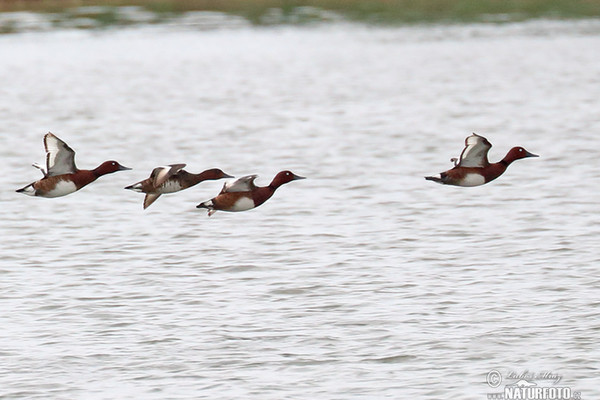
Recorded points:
(520, 149)
(287, 173)
(114, 163)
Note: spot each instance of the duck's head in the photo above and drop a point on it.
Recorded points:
(216, 173)
(108, 167)
(284, 177)
(516, 153)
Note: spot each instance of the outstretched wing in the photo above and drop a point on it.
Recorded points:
(243, 184)
(60, 158)
(475, 152)
(150, 198)
(160, 175)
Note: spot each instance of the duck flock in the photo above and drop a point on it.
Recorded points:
(62, 177)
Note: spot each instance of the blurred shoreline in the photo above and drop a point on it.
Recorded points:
(41, 15)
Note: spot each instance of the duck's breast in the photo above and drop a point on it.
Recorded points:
(472, 179)
(242, 204)
(61, 188)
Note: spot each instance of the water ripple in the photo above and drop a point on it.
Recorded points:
(362, 281)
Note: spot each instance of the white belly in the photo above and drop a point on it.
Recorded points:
(170, 186)
(62, 189)
(472, 180)
(243, 204)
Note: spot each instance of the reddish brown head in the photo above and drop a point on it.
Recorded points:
(284, 177)
(214, 173)
(108, 167)
(517, 153)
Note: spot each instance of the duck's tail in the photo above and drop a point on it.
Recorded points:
(29, 190)
(437, 179)
(206, 204)
(136, 187)
(209, 206)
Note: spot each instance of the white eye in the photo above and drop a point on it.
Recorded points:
(520, 149)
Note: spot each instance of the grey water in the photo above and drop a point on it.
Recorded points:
(362, 281)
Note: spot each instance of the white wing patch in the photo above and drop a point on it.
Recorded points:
(161, 174)
(60, 158)
(475, 152)
(243, 184)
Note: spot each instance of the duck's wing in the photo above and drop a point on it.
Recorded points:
(160, 175)
(475, 152)
(42, 170)
(243, 184)
(150, 198)
(60, 158)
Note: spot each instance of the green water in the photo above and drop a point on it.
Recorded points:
(86, 14)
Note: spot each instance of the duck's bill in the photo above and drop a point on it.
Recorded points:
(531, 155)
(296, 177)
(124, 168)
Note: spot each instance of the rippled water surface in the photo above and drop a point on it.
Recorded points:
(362, 281)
